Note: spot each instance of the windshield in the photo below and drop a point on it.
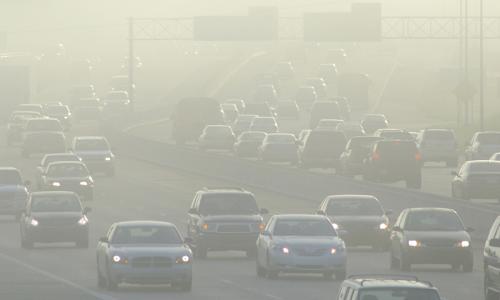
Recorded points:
(398, 294)
(10, 177)
(280, 139)
(304, 228)
(67, 170)
(44, 125)
(485, 166)
(489, 138)
(433, 220)
(397, 135)
(55, 203)
(57, 110)
(228, 204)
(354, 207)
(92, 145)
(53, 158)
(146, 235)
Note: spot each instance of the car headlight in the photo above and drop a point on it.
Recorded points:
(463, 244)
(185, 259)
(83, 221)
(84, 183)
(107, 158)
(285, 250)
(383, 226)
(336, 226)
(333, 251)
(56, 183)
(414, 243)
(34, 222)
(117, 259)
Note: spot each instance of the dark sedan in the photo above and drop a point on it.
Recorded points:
(68, 176)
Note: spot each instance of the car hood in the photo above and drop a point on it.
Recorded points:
(437, 235)
(67, 179)
(233, 218)
(358, 219)
(307, 241)
(150, 250)
(57, 215)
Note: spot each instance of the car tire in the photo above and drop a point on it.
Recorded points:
(468, 265)
(185, 286)
(271, 274)
(340, 275)
(489, 294)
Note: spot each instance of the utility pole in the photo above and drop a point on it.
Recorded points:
(481, 64)
(131, 61)
(466, 59)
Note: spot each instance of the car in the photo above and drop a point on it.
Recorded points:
(265, 93)
(223, 219)
(321, 149)
(482, 145)
(144, 252)
(323, 110)
(356, 151)
(373, 122)
(319, 85)
(351, 130)
(34, 107)
(115, 102)
(300, 244)
(360, 220)
(284, 70)
(438, 145)
(329, 124)
(54, 217)
(242, 123)
(43, 142)
(36, 125)
(240, 104)
(328, 72)
(491, 259)
(68, 176)
(266, 124)
(306, 96)
(230, 112)
(78, 92)
(430, 235)
(52, 157)
(87, 109)
(392, 161)
(391, 287)
(61, 113)
(17, 123)
(96, 153)
(393, 134)
(261, 109)
(216, 137)
(13, 192)
(477, 179)
(248, 142)
(191, 115)
(279, 147)
(287, 110)
(344, 107)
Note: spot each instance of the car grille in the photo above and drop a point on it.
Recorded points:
(233, 228)
(439, 243)
(309, 252)
(56, 222)
(151, 262)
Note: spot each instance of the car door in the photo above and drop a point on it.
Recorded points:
(25, 217)
(193, 217)
(397, 236)
(492, 257)
(102, 251)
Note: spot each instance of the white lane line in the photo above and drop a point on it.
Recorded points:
(54, 277)
(249, 290)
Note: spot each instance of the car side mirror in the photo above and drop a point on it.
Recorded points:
(469, 229)
(494, 243)
(188, 240)
(320, 212)
(397, 228)
(193, 211)
(86, 210)
(389, 212)
(104, 239)
(266, 233)
(264, 211)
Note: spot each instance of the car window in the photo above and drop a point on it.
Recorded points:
(489, 138)
(497, 233)
(304, 228)
(484, 167)
(354, 207)
(398, 294)
(146, 235)
(91, 145)
(56, 109)
(280, 139)
(53, 158)
(55, 203)
(67, 170)
(228, 204)
(433, 221)
(10, 177)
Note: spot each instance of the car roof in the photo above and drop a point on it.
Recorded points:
(60, 154)
(66, 163)
(351, 196)
(291, 217)
(89, 137)
(440, 209)
(225, 190)
(48, 193)
(144, 223)
(376, 281)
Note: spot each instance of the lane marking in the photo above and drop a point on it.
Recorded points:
(54, 277)
(249, 290)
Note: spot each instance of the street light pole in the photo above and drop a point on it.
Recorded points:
(481, 64)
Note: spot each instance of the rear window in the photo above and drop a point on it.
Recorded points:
(91, 145)
(57, 110)
(252, 136)
(398, 293)
(326, 138)
(327, 108)
(354, 207)
(280, 139)
(362, 142)
(439, 135)
(216, 130)
(228, 204)
(55, 203)
(67, 170)
(269, 121)
(53, 158)
(396, 135)
(44, 125)
(489, 138)
(10, 177)
(396, 147)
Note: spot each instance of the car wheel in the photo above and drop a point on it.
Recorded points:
(489, 294)
(404, 263)
(328, 275)
(340, 275)
(468, 265)
(394, 263)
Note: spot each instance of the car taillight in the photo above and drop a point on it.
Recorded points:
(418, 156)
(375, 155)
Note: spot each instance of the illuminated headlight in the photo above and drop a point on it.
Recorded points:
(336, 226)
(84, 183)
(83, 221)
(183, 260)
(414, 243)
(285, 250)
(65, 117)
(34, 222)
(333, 251)
(463, 244)
(107, 158)
(55, 183)
(117, 259)
(383, 226)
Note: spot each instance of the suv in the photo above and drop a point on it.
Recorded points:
(377, 287)
(438, 145)
(394, 160)
(224, 219)
(492, 262)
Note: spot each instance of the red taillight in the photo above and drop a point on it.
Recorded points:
(418, 156)
(375, 156)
